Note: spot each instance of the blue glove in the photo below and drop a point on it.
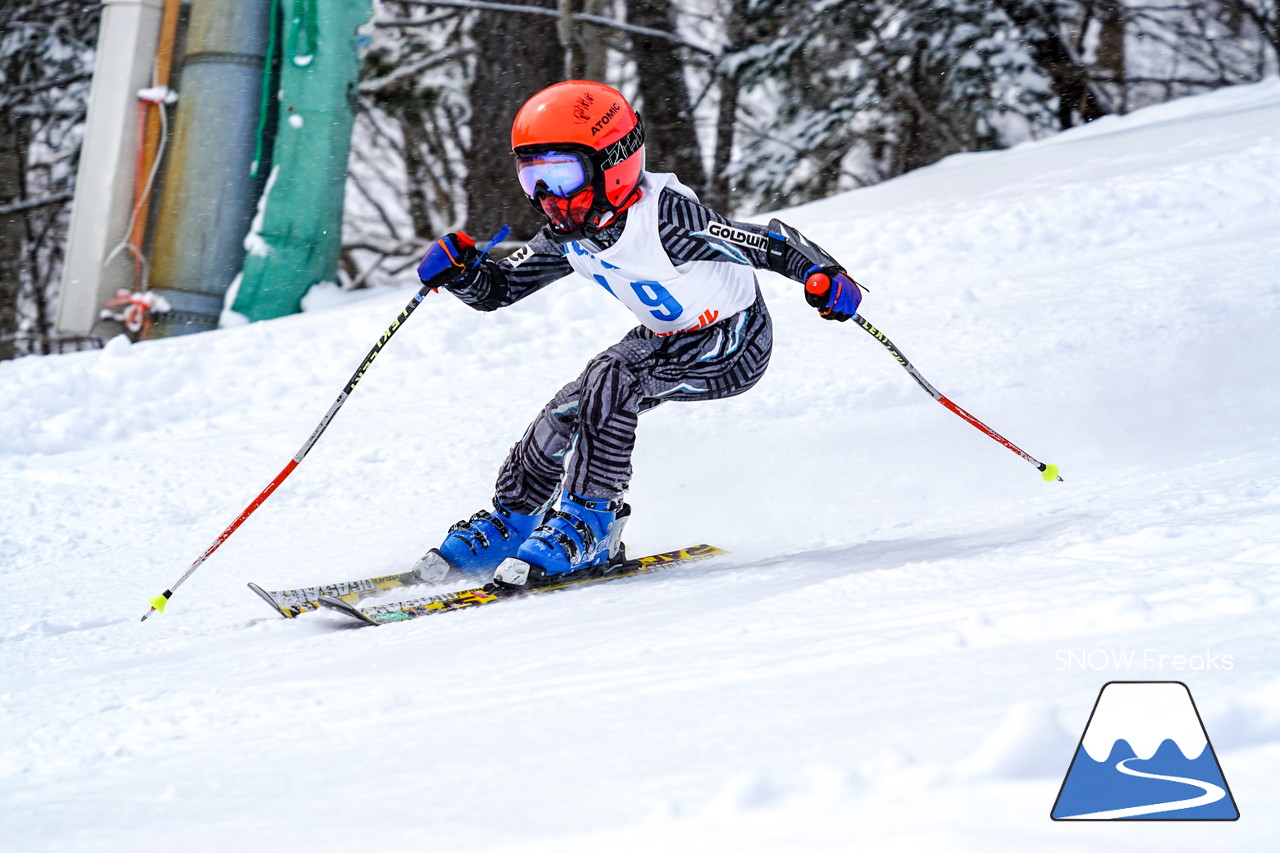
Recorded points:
(832, 292)
(451, 260)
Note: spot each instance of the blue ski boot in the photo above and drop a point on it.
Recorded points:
(583, 536)
(476, 546)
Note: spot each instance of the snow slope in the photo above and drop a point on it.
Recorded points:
(900, 653)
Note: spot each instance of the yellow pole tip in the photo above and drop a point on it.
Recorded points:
(158, 603)
(1050, 473)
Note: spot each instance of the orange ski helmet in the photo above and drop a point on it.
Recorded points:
(579, 150)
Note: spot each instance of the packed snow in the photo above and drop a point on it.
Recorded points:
(900, 652)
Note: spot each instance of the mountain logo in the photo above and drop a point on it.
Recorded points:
(1144, 755)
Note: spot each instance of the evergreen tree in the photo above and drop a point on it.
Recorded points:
(869, 89)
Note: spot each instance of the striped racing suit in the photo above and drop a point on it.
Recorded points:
(688, 275)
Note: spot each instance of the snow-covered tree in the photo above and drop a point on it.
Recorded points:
(46, 57)
(849, 92)
(774, 102)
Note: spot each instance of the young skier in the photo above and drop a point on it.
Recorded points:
(685, 271)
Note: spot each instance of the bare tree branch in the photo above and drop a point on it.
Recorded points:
(579, 17)
(46, 85)
(412, 70)
(33, 203)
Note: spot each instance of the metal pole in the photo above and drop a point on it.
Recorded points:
(209, 197)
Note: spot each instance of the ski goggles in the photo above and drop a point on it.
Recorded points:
(563, 170)
(559, 173)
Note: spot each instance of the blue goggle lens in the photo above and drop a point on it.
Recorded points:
(561, 174)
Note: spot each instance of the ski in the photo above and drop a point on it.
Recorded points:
(293, 602)
(477, 596)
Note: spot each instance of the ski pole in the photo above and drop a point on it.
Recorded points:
(782, 235)
(158, 603)
(1048, 472)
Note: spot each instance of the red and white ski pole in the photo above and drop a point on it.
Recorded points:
(158, 603)
(1048, 472)
(782, 235)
